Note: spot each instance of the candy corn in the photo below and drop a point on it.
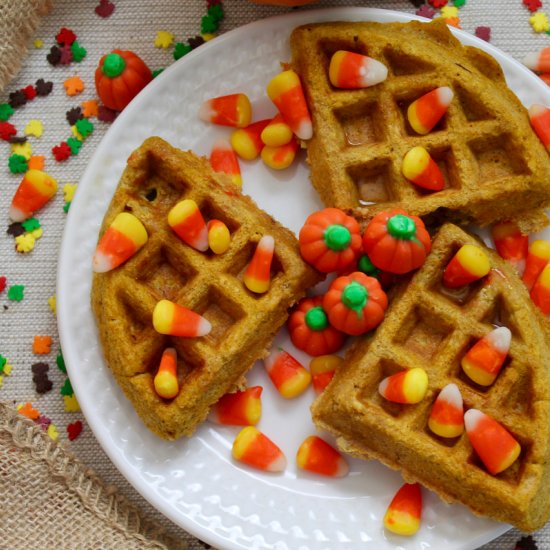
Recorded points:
(219, 237)
(539, 115)
(257, 276)
(223, 159)
(469, 264)
(352, 70)
(287, 374)
(322, 370)
(255, 449)
(495, 446)
(484, 360)
(280, 157)
(285, 90)
(166, 380)
(317, 456)
(405, 510)
(175, 320)
(277, 132)
(424, 113)
(447, 414)
(538, 61)
(34, 191)
(537, 258)
(242, 408)
(540, 294)
(510, 243)
(187, 222)
(246, 142)
(419, 167)
(408, 386)
(228, 110)
(124, 237)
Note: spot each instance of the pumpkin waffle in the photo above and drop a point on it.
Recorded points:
(432, 327)
(493, 164)
(243, 324)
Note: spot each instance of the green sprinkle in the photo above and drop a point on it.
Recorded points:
(32, 224)
(61, 363)
(3, 362)
(216, 12)
(84, 127)
(15, 293)
(66, 207)
(66, 389)
(459, 3)
(17, 164)
(181, 49)
(6, 110)
(75, 145)
(79, 53)
(208, 24)
(156, 72)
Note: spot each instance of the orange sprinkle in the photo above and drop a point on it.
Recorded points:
(28, 411)
(42, 345)
(36, 162)
(90, 108)
(73, 85)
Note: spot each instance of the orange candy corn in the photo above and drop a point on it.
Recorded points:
(510, 243)
(287, 374)
(246, 142)
(322, 370)
(405, 510)
(125, 236)
(34, 191)
(257, 276)
(280, 157)
(538, 61)
(447, 414)
(539, 115)
(537, 258)
(277, 132)
(285, 90)
(408, 386)
(352, 70)
(540, 294)
(219, 237)
(495, 446)
(166, 380)
(223, 159)
(317, 456)
(469, 264)
(228, 110)
(419, 167)
(175, 320)
(424, 113)
(255, 449)
(186, 220)
(242, 408)
(484, 360)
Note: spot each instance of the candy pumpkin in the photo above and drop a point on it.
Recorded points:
(119, 77)
(396, 242)
(355, 303)
(310, 330)
(330, 240)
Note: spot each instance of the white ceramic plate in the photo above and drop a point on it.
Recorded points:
(194, 481)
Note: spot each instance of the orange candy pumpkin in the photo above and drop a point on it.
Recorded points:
(396, 242)
(120, 76)
(310, 330)
(355, 303)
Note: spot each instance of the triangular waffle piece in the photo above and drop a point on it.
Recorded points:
(493, 164)
(243, 324)
(430, 327)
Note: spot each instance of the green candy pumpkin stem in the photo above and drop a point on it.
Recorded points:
(355, 297)
(316, 319)
(113, 65)
(401, 227)
(337, 237)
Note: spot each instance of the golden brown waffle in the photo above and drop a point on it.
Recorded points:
(494, 165)
(243, 324)
(430, 327)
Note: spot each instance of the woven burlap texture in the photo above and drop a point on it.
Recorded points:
(51, 500)
(18, 21)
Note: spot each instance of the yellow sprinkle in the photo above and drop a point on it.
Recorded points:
(38, 43)
(52, 302)
(20, 406)
(539, 22)
(25, 242)
(1, 381)
(34, 128)
(77, 134)
(449, 11)
(7, 368)
(208, 36)
(23, 149)
(164, 39)
(37, 233)
(52, 432)
(71, 404)
(68, 191)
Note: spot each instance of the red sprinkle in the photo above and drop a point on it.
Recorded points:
(3, 282)
(438, 3)
(62, 151)
(65, 37)
(532, 5)
(484, 33)
(29, 92)
(105, 8)
(74, 429)
(7, 130)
